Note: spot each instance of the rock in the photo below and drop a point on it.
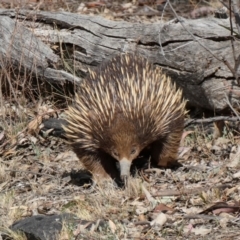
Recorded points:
(56, 125)
(41, 227)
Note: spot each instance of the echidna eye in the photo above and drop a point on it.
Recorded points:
(133, 151)
(115, 154)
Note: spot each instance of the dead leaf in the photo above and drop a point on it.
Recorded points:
(162, 208)
(160, 220)
(187, 229)
(94, 4)
(223, 210)
(34, 125)
(184, 135)
(148, 196)
(141, 217)
(127, 5)
(236, 175)
(2, 135)
(231, 190)
(201, 231)
(221, 207)
(234, 159)
(23, 141)
(220, 141)
(182, 151)
(141, 210)
(66, 156)
(33, 139)
(223, 222)
(112, 226)
(192, 210)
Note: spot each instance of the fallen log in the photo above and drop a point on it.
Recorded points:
(60, 47)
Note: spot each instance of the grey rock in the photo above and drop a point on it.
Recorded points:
(41, 227)
(55, 124)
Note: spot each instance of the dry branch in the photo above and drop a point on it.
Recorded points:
(210, 120)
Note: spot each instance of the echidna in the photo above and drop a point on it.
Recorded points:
(124, 107)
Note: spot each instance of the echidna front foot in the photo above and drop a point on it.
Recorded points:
(101, 165)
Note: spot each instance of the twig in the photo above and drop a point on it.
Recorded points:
(142, 223)
(159, 40)
(172, 192)
(196, 39)
(229, 104)
(224, 4)
(200, 216)
(144, 176)
(149, 197)
(30, 172)
(236, 14)
(210, 120)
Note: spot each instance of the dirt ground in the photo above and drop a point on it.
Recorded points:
(199, 200)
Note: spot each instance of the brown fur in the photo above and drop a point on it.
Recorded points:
(124, 107)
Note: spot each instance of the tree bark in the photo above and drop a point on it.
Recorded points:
(60, 47)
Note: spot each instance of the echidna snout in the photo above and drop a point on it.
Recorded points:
(125, 165)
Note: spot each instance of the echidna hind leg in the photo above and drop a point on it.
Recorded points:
(165, 154)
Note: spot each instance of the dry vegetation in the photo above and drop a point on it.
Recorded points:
(197, 201)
